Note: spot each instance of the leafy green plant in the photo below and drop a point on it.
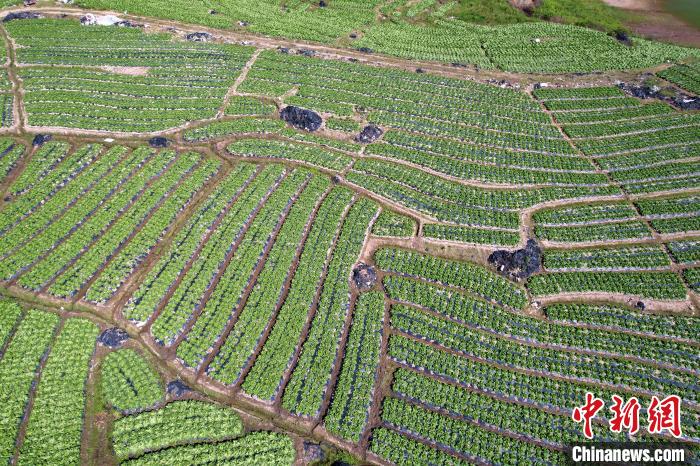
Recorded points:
(128, 381)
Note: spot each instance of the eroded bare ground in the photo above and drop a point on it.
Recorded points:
(127, 70)
(258, 414)
(650, 19)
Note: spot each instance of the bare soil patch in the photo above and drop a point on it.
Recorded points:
(127, 70)
(651, 20)
(667, 28)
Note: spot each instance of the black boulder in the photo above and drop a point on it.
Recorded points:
(113, 337)
(178, 388)
(41, 139)
(301, 118)
(158, 142)
(520, 263)
(199, 37)
(20, 15)
(369, 133)
(364, 277)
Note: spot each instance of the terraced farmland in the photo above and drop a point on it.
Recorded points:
(427, 267)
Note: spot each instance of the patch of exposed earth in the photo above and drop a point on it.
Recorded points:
(127, 70)
(650, 19)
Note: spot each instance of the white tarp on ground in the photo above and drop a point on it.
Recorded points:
(100, 20)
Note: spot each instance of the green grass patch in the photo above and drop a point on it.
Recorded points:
(588, 13)
(489, 12)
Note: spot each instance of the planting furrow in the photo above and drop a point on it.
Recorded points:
(465, 276)
(544, 391)
(10, 155)
(195, 287)
(10, 317)
(305, 393)
(240, 271)
(529, 331)
(619, 319)
(252, 449)
(468, 440)
(179, 422)
(265, 328)
(128, 259)
(79, 215)
(267, 290)
(349, 411)
(572, 366)
(307, 154)
(543, 427)
(397, 448)
(52, 210)
(74, 277)
(267, 375)
(119, 199)
(42, 169)
(165, 276)
(55, 424)
(18, 366)
(42, 176)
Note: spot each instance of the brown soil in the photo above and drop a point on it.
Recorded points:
(651, 20)
(666, 27)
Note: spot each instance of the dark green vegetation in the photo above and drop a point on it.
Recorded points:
(686, 76)
(336, 286)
